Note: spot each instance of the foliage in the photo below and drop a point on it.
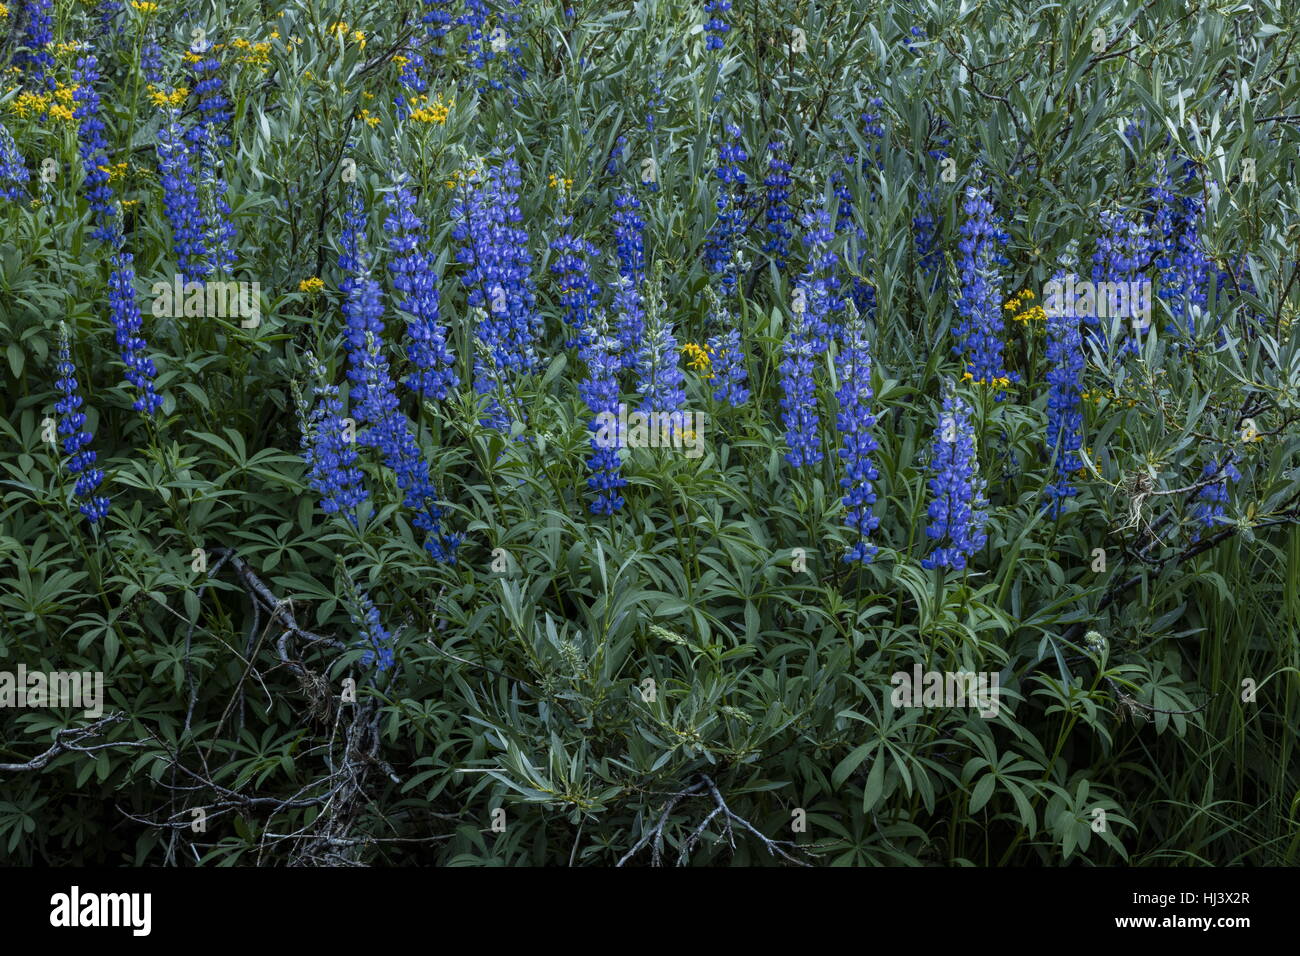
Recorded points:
(613, 680)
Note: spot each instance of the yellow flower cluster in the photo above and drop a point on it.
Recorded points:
(256, 54)
(1033, 313)
(1096, 395)
(556, 182)
(160, 97)
(115, 172)
(698, 357)
(4, 12)
(365, 117)
(344, 30)
(59, 105)
(144, 7)
(311, 286)
(435, 112)
(999, 382)
(459, 177)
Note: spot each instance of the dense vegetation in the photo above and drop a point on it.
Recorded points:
(360, 576)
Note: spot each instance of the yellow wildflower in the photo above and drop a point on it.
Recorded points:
(999, 382)
(144, 7)
(160, 97)
(698, 357)
(311, 286)
(435, 112)
(28, 104)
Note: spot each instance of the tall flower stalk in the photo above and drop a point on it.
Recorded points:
(957, 502)
(80, 458)
(1064, 397)
(600, 350)
(980, 328)
(433, 372)
(855, 422)
(329, 449)
(374, 392)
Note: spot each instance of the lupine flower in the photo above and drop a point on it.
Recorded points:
(497, 278)
(206, 139)
(81, 459)
(979, 330)
(659, 371)
(331, 458)
(817, 291)
(124, 310)
(846, 223)
(720, 247)
(629, 239)
(579, 294)
(956, 512)
(654, 102)
(412, 269)
(374, 392)
(377, 640)
(799, 404)
(437, 22)
(93, 147)
(724, 354)
(481, 44)
(14, 174)
(599, 349)
(1064, 418)
(1184, 267)
(855, 422)
(219, 232)
(211, 106)
(1209, 511)
(729, 372)
(778, 212)
(37, 37)
(873, 132)
(181, 199)
(151, 62)
(107, 10)
(1124, 250)
(716, 27)
(925, 230)
(617, 160)
(410, 79)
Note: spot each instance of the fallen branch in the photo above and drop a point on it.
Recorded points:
(68, 740)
